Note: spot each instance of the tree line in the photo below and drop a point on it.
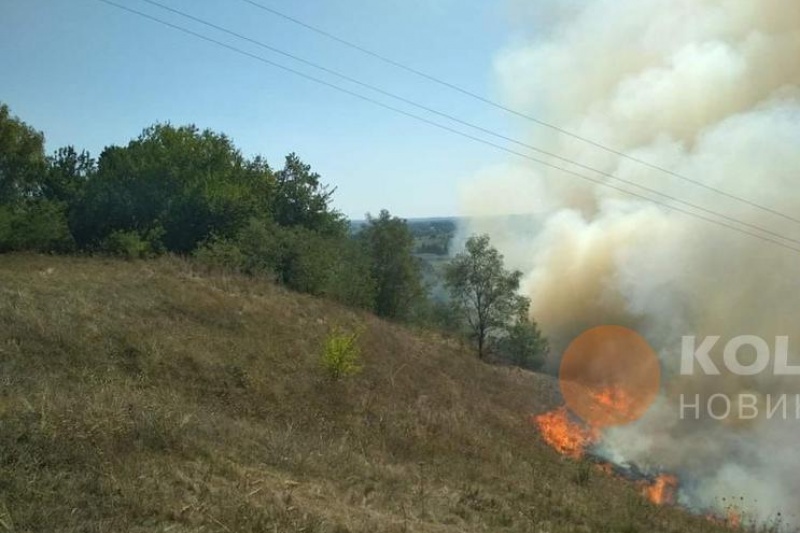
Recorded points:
(191, 192)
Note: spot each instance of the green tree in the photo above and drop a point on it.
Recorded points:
(22, 159)
(302, 200)
(34, 224)
(336, 267)
(523, 344)
(304, 259)
(395, 270)
(350, 275)
(180, 183)
(28, 219)
(483, 291)
(67, 174)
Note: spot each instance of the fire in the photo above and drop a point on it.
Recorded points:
(572, 439)
(734, 518)
(613, 402)
(605, 468)
(663, 490)
(567, 437)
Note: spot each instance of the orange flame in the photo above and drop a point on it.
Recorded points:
(614, 401)
(731, 520)
(663, 490)
(572, 438)
(734, 518)
(605, 468)
(567, 437)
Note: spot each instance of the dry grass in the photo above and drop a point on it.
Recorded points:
(152, 397)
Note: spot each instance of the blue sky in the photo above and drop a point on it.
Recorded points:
(90, 75)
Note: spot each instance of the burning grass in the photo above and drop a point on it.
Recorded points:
(663, 490)
(150, 396)
(573, 439)
(567, 436)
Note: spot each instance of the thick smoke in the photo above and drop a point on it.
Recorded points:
(709, 89)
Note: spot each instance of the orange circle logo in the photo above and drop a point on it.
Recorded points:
(609, 376)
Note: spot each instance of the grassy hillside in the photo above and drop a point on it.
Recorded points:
(150, 397)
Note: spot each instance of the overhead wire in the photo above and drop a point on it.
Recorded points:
(460, 121)
(461, 133)
(497, 105)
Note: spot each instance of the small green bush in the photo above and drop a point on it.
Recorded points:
(129, 244)
(132, 244)
(217, 252)
(523, 345)
(341, 354)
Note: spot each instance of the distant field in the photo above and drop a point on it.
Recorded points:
(432, 236)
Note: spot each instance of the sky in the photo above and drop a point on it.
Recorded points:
(90, 75)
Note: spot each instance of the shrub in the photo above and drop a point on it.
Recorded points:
(349, 279)
(443, 316)
(37, 225)
(260, 247)
(523, 345)
(221, 253)
(341, 354)
(129, 244)
(304, 260)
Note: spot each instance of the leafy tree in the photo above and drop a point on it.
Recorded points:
(305, 259)
(302, 200)
(483, 291)
(67, 174)
(36, 225)
(181, 182)
(293, 256)
(395, 270)
(22, 159)
(442, 316)
(259, 244)
(221, 253)
(523, 344)
(335, 267)
(28, 220)
(350, 275)
(184, 190)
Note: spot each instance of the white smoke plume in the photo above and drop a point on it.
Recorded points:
(709, 89)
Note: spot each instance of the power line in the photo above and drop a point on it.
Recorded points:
(497, 105)
(463, 122)
(442, 126)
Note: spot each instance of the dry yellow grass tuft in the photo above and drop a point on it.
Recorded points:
(151, 396)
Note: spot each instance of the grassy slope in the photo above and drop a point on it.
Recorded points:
(148, 397)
